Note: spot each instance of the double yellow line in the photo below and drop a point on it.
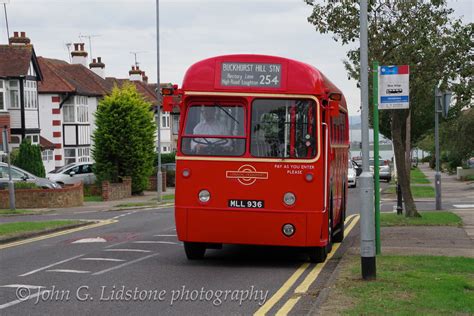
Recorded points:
(63, 232)
(305, 284)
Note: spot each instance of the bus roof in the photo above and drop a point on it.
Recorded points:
(296, 77)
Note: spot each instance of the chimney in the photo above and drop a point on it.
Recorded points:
(19, 39)
(97, 66)
(144, 77)
(135, 74)
(79, 55)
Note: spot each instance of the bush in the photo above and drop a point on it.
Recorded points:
(124, 140)
(170, 178)
(25, 185)
(29, 159)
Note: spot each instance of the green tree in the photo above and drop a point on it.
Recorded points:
(124, 140)
(419, 33)
(457, 139)
(29, 158)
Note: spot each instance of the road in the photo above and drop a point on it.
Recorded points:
(136, 265)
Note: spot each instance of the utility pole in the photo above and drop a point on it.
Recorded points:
(367, 225)
(159, 175)
(11, 185)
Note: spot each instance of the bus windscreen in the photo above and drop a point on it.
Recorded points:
(283, 129)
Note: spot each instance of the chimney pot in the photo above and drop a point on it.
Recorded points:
(76, 46)
(93, 60)
(82, 46)
(133, 67)
(99, 59)
(23, 34)
(15, 34)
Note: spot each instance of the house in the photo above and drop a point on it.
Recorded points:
(19, 77)
(68, 97)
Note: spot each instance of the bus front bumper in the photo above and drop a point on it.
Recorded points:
(252, 227)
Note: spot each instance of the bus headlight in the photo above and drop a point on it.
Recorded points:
(288, 230)
(289, 198)
(204, 196)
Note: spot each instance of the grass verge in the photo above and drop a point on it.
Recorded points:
(416, 190)
(418, 177)
(427, 219)
(137, 204)
(8, 230)
(17, 212)
(414, 285)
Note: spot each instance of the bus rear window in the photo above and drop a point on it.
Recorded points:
(283, 129)
(226, 125)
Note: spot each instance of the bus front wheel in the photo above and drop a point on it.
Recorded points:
(194, 250)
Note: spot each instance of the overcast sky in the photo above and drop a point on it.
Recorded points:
(190, 30)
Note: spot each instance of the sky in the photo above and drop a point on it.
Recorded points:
(190, 30)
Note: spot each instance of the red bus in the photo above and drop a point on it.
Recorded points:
(262, 155)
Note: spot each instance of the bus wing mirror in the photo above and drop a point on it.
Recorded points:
(333, 108)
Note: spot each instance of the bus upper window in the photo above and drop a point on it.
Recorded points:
(283, 129)
(226, 122)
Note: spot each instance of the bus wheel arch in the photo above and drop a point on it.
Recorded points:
(194, 250)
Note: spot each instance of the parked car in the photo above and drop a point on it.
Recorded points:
(357, 167)
(73, 173)
(20, 175)
(169, 166)
(470, 162)
(351, 175)
(385, 171)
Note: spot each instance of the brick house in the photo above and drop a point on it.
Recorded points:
(19, 77)
(68, 97)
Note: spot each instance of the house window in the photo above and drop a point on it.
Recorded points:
(14, 95)
(175, 126)
(34, 139)
(47, 155)
(73, 155)
(2, 96)
(31, 95)
(69, 155)
(83, 154)
(165, 120)
(68, 113)
(82, 114)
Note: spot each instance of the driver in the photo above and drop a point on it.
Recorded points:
(210, 126)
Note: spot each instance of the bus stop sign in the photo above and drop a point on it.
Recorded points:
(393, 87)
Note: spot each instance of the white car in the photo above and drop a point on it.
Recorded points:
(351, 176)
(73, 173)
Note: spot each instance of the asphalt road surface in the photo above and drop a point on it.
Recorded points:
(135, 265)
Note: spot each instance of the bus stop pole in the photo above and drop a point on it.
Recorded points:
(159, 175)
(367, 226)
(375, 88)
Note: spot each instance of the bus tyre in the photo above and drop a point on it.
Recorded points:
(194, 250)
(339, 235)
(317, 254)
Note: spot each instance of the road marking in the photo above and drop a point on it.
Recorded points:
(102, 259)
(89, 240)
(289, 283)
(155, 242)
(463, 205)
(127, 250)
(124, 264)
(49, 266)
(311, 277)
(118, 216)
(63, 232)
(68, 271)
(174, 235)
(12, 303)
(26, 286)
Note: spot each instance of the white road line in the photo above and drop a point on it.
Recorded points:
(68, 271)
(89, 240)
(49, 266)
(118, 216)
(124, 264)
(26, 286)
(102, 259)
(23, 300)
(174, 235)
(127, 250)
(463, 205)
(155, 242)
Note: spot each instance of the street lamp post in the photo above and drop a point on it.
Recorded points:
(367, 224)
(159, 175)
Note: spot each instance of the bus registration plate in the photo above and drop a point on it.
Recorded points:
(246, 203)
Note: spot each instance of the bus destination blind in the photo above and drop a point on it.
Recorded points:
(261, 75)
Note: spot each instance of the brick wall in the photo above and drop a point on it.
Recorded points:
(44, 198)
(152, 183)
(117, 191)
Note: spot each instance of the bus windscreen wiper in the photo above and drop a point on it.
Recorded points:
(228, 114)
